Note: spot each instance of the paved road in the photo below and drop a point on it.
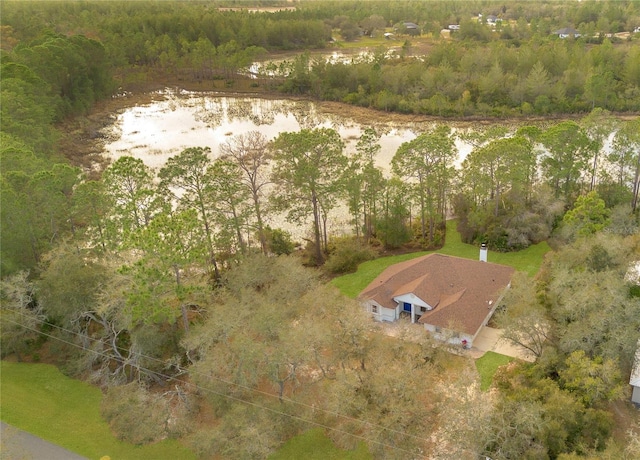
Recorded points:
(16, 444)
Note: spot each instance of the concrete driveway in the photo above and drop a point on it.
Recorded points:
(490, 339)
(16, 444)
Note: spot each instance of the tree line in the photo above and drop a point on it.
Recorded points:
(466, 78)
(514, 69)
(510, 191)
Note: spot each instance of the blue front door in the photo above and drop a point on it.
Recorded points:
(407, 307)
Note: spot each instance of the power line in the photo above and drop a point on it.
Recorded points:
(238, 385)
(235, 398)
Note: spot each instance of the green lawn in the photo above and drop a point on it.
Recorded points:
(39, 399)
(487, 366)
(315, 445)
(528, 261)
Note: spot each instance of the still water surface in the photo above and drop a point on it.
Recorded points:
(156, 131)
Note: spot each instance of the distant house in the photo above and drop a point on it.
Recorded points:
(411, 28)
(491, 19)
(454, 27)
(632, 275)
(567, 32)
(634, 381)
(452, 297)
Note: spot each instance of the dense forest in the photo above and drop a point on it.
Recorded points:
(515, 66)
(144, 277)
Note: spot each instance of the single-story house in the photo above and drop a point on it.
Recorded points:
(491, 19)
(411, 28)
(634, 381)
(567, 32)
(632, 276)
(452, 297)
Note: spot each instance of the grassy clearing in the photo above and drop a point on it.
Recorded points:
(315, 445)
(418, 44)
(528, 261)
(370, 43)
(487, 366)
(39, 399)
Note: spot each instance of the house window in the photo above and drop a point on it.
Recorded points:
(423, 309)
(438, 329)
(374, 309)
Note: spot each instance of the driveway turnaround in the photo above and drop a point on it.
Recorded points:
(490, 339)
(16, 444)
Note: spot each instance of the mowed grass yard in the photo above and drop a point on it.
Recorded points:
(315, 445)
(39, 399)
(487, 366)
(527, 260)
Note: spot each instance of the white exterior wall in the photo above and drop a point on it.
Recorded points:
(381, 313)
(634, 379)
(449, 336)
(390, 314)
(370, 306)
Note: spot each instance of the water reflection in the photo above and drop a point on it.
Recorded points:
(282, 67)
(156, 131)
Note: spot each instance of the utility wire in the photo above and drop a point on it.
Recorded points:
(238, 385)
(235, 398)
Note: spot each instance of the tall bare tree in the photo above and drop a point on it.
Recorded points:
(249, 151)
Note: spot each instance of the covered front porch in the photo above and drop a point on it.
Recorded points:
(412, 309)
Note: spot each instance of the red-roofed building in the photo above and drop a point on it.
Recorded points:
(452, 297)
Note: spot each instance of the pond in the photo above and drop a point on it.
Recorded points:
(176, 120)
(163, 128)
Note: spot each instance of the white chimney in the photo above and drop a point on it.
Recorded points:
(483, 252)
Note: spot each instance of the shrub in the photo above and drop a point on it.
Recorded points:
(279, 241)
(346, 255)
(134, 414)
